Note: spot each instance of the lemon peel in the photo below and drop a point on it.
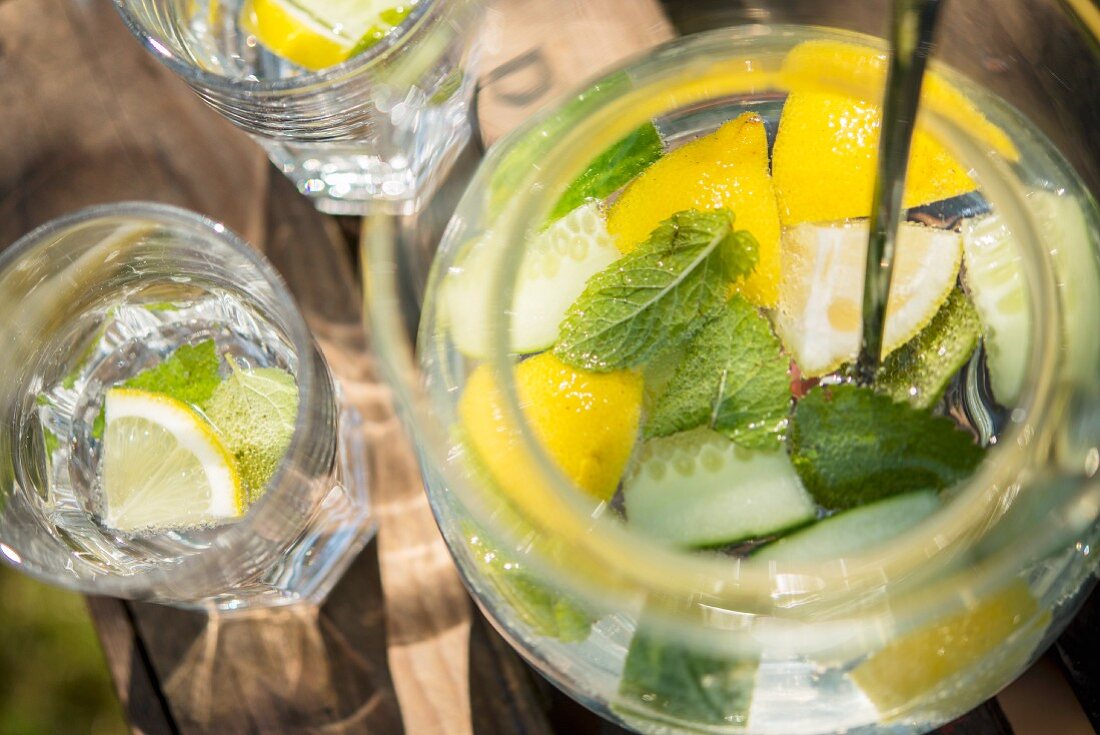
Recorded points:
(586, 422)
(819, 318)
(826, 149)
(727, 168)
(164, 466)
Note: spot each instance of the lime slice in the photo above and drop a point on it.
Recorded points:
(316, 34)
(557, 264)
(821, 289)
(163, 465)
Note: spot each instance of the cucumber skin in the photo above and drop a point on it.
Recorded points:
(707, 508)
(845, 533)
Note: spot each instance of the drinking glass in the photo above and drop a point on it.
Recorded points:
(375, 133)
(92, 298)
(897, 638)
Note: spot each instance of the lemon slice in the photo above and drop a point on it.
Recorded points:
(163, 465)
(587, 422)
(989, 640)
(556, 265)
(727, 168)
(826, 149)
(821, 290)
(316, 34)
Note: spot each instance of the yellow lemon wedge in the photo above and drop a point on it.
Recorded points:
(826, 149)
(819, 318)
(586, 422)
(316, 34)
(727, 168)
(164, 466)
(924, 661)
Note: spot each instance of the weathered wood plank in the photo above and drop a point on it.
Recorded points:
(1041, 701)
(280, 670)
(131, 669)
(536, 50)
(88, 118)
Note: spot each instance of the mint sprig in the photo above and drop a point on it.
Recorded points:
(733, 378)
(659, 294)
(538, 604)
(852, 446)
(190, 374)
(255, 411)
(665, 680)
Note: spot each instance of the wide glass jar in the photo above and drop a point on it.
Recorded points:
(899, 635)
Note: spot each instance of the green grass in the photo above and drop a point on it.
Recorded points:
(53, 678)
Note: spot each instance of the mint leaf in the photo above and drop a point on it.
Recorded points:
(255, 413)
(190, 374)
(612, 169)
(664, 680)
(852, 446)
(542, 607)
(517, 161)
(659, 294)
(733, 378)
(919, 370)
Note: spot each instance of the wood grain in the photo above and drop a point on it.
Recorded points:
(535, 50)
(89, 117)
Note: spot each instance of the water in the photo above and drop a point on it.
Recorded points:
(803, 683)
(110, 345)
(380, 137)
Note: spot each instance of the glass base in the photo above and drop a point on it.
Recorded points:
(314, 563)
(350, 179)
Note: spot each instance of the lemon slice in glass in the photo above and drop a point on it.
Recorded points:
(316, 34)
(164, 466)
(821, 289)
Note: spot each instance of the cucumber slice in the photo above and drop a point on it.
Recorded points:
(853, 530)
(557, 263)
(697, 489)
(995, 277)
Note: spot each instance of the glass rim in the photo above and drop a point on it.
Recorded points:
(686, 574)
(305, 82)
(235, 536)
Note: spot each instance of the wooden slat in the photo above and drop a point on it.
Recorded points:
(436, 674)
(131, 669)
(535, 50)
(279, 670)
(1041, 701)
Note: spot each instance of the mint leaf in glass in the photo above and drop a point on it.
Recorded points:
(254, 411)
(852, 446)
(919, 370)
(612, 169)
(666, 681)
(543, 608)
(732, 378)
(659, 294)
(190, 374)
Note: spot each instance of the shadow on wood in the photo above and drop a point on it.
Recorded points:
(289, 669)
